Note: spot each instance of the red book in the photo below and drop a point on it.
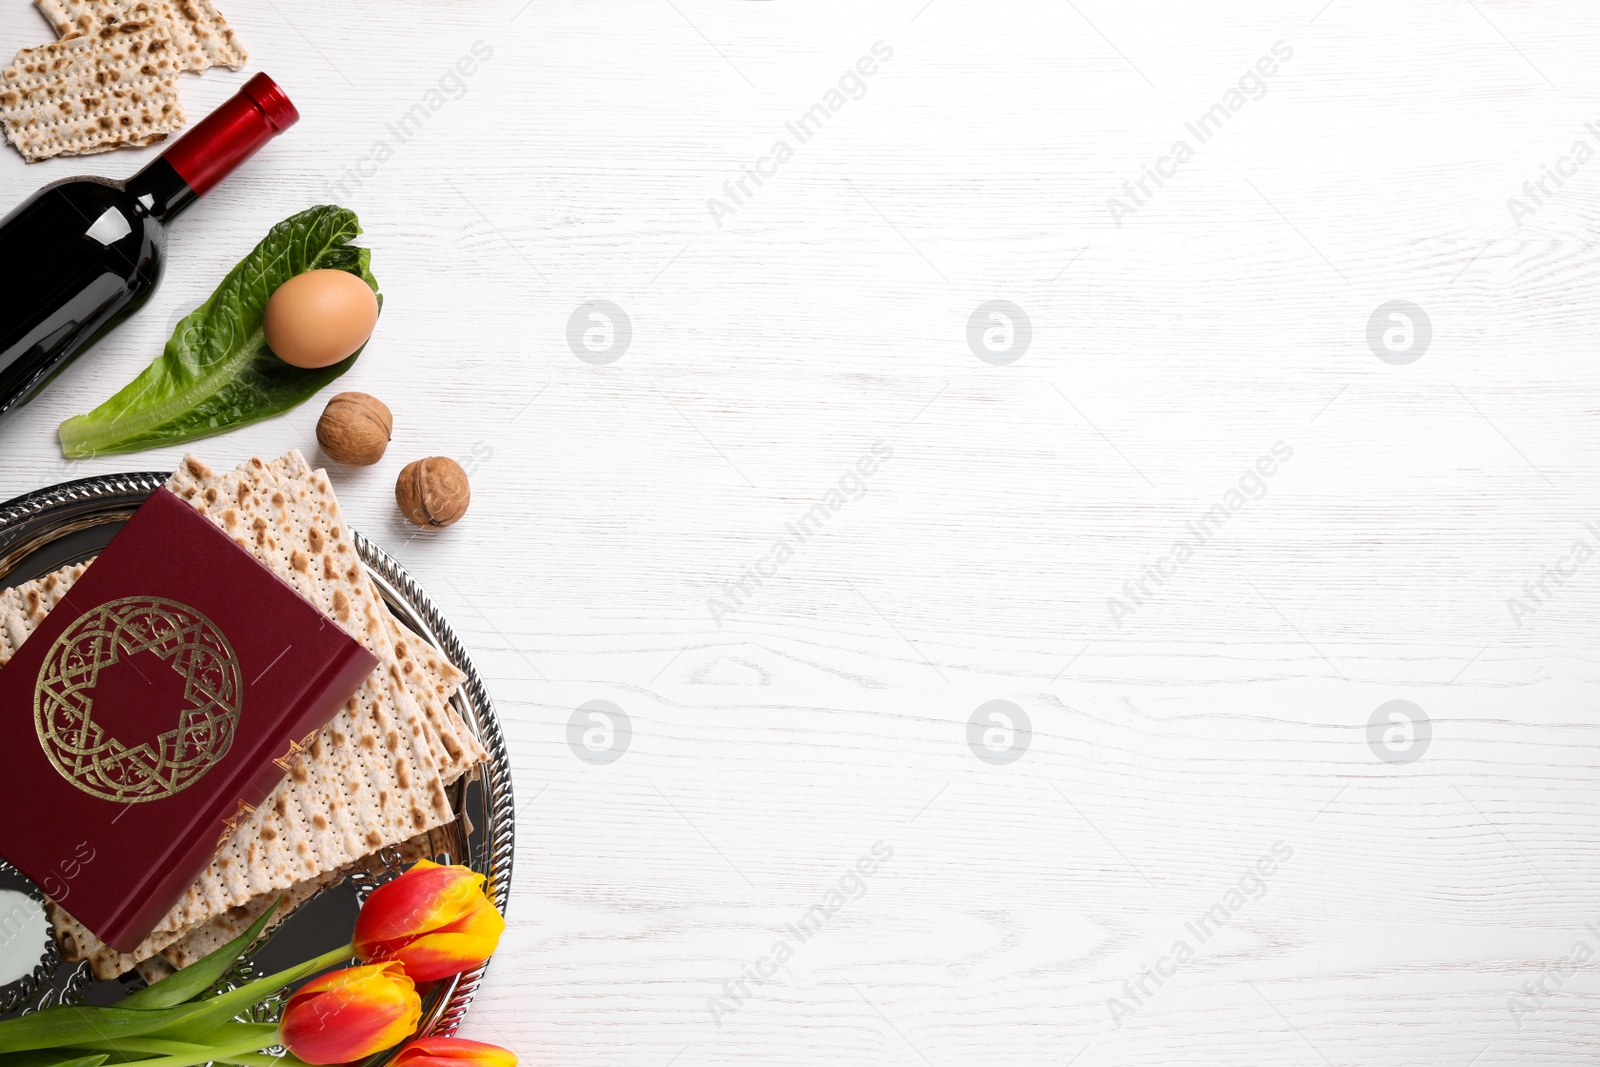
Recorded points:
(152, 710)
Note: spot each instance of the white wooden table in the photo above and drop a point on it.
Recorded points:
(1425, 873)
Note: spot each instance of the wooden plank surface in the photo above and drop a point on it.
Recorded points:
(798, 703)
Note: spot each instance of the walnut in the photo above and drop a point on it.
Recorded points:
(355, 429)
(432, 492)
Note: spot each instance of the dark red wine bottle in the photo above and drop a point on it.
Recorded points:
(82, 254)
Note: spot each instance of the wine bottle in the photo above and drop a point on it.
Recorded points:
(82, 254)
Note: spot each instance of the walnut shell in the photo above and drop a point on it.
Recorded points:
(355, 429)
(432, 492)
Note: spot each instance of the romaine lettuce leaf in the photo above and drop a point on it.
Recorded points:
(217, 372)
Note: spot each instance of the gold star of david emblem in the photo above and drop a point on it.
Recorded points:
(79, 737)
(297, 750)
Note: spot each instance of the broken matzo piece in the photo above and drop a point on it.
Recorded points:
(93, 93)
(441, 844)
(201, 36)
(313, 491)
(310, 509)
(23, 607)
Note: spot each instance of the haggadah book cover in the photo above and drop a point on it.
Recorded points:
(155, 706)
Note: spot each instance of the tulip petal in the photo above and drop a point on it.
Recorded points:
(424, 898)
(350, 1014)
(453, 1052)
(436, 956)
(460, 946)
(434, 920)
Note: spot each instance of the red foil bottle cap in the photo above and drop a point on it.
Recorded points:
(231, 134)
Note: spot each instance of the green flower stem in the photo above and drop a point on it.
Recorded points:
(162, 1011)
(200, 1054)
(150, 1046)
(257, 1035)
(262, 988)
(219, 1009)
(68, 1025)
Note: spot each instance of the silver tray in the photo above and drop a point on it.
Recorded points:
(67, 523)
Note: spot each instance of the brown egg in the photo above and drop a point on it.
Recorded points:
(317, 318)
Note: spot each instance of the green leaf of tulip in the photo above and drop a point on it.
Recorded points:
(200, 975)
(74, 1025)
(193, 1021)
(54, 1058)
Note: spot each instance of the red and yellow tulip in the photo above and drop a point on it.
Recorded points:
(433, 920)
(350, 1014)
(453, 1052)
(428, 924)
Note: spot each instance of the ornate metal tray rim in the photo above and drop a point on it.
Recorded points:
(26, 526)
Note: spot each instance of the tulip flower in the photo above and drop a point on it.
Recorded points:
(350, 1014)
(433, 920)
(453, 1052)
(429, 923)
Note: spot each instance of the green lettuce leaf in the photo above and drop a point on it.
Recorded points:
(217, 372)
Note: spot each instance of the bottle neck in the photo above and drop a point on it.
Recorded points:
(214, 148)
(161, 190)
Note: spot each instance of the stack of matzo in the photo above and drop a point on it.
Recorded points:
(111, 80)
(376, 775)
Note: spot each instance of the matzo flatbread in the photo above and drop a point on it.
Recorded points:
(313, 490)
(93, 93)
(445, 841)
(146, 37)
(119, 118)
(446, 844)
(217, 931)
(23, 607)
(221, 47)
(309, 502)
(201, 36)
